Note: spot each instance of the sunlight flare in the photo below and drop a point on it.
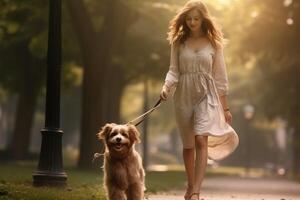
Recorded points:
(225, 2)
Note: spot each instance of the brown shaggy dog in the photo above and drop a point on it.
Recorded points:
(123, 171)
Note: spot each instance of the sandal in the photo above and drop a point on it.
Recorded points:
(194, 196)
(188, 192)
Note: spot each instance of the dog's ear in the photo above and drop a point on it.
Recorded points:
(134, 134)
(104, 131)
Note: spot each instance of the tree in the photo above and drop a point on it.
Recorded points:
(23, 39)
(271, 38)
(22, 26)
(103, 81)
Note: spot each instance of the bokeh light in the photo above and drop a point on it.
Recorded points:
(290, 21)
(287, 3)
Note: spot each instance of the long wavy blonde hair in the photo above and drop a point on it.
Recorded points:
(179, 31)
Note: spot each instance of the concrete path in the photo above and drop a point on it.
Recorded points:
(224, 188)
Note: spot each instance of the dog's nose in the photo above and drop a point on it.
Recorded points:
(118, 139)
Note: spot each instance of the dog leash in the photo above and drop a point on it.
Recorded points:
(143, 116)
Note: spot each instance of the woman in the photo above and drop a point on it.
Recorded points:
(198, 72)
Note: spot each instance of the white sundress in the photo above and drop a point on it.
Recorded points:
(198, 79)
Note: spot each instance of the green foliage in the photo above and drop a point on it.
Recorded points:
(23, 42)
(272, 41)
(19, 23)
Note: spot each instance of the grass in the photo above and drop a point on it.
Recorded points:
(16, 182)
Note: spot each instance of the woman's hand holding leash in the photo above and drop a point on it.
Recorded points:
(164, 92)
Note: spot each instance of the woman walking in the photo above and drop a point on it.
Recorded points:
(198, 72)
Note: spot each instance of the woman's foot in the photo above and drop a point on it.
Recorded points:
(189, 191)
(194, 196)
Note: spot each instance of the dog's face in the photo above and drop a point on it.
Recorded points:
(119, 138)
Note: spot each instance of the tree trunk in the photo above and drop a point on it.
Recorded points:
(116, 88)
(98, 90)
(91, 89)
(28, 94)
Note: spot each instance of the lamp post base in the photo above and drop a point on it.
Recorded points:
(43, 178)
(50, 169)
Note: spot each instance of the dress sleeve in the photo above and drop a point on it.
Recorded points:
(172, 76)
(219, 72)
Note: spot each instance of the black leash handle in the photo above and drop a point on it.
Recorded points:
(146, 113)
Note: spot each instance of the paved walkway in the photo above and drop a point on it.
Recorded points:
(224, 188)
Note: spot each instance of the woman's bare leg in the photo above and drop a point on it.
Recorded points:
(189, 159)
(201, 161)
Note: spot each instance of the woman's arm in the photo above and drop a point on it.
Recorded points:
(224, 102)
(219, 72)
(173, 73)
(221, 81)
(227, 114)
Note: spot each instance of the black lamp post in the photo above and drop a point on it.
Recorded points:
(50, 168)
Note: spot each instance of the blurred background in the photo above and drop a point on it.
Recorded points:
(115, 58)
